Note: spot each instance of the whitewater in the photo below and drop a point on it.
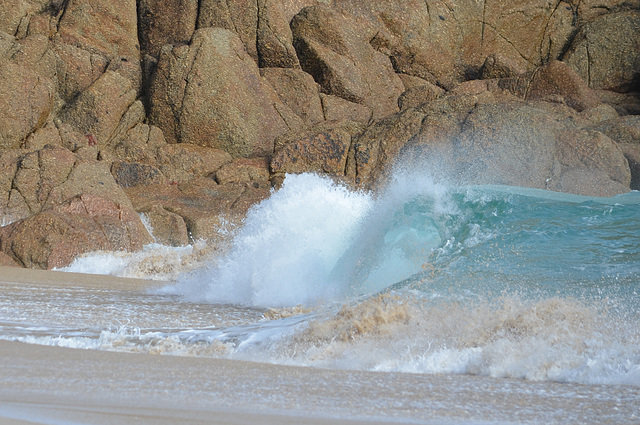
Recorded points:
(421, 278)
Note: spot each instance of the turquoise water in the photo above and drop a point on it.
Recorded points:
(420, 278)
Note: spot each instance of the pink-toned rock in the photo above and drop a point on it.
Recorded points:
(37, 180)
(336, 108)
(558, 80)
(77, 69)
(85, 223)
(205, 206)
(274, 40)
(417, 91)
(498, 65)
(246, 171)
(7, 261)
(14, 15)
(591, 163)
(240, 16)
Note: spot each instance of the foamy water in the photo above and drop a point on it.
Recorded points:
(421, 278)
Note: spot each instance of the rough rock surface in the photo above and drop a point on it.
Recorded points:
(605, 52)
(211, 94)
(37, 180)
(191, 111)
(26, 101)
(343, 62)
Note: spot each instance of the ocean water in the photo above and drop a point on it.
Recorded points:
(421, 278)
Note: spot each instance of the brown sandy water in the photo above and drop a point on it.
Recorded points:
(57, 385)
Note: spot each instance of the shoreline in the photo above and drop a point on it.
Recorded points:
(55, 385)
(19, 275)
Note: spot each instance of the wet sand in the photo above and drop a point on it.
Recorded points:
(53, 385)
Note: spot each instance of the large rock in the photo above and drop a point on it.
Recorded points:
(606, 52)
(183, 161)
(85, 223)
(168, 228)
(211, 94)
(557, 81)
(26, 102)
(339, 57)
(375, 151)
(14, 15)
(590, 164)
(128, 174)
(206, 207)
(445, 43)
(522, 145)
(625, 131)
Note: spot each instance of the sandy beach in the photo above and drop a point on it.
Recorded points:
(54, 385)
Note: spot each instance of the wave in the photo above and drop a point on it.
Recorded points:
(421, 278)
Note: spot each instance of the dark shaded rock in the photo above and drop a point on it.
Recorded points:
(166, 22)
(317, 150)
(606, 52)
(128, 174)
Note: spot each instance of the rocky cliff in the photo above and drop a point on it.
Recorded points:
(190, 111)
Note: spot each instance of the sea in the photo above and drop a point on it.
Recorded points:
(420, 277)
